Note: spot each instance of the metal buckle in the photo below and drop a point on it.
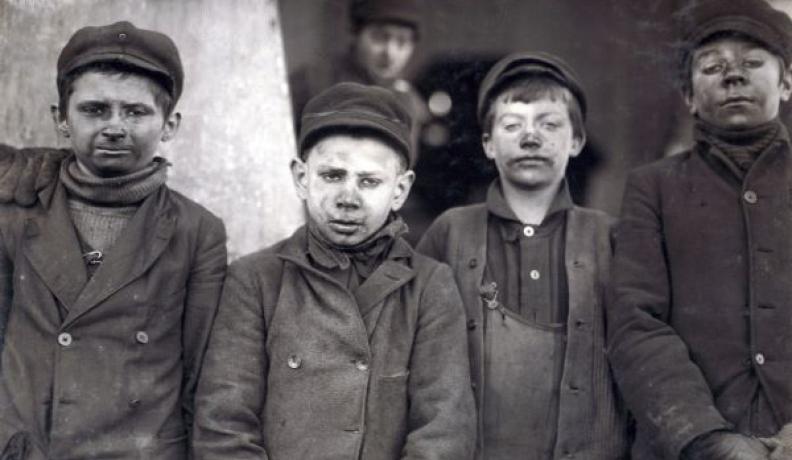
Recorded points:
(93, 257)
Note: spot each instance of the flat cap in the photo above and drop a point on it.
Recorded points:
(407, 12)
(353, 106)
(756, 19)
(123, 42)
(518, 66)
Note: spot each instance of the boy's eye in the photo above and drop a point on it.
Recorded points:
(332, 176)
(136, 112)
(550, 125)
(370, 182)
(92, 109)
(753, 63)
(511, 126)
(712, 68)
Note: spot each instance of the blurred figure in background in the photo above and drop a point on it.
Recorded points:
(385, 34)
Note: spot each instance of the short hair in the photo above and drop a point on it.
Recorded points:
(162, 96)
(532, 89)
(356, 133)
(686, 67)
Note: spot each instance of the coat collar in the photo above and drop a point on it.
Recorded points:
(394, 272)
(510, 226)
(54, 250)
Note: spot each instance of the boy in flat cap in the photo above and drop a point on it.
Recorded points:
(700, 321)
(110, 280)
(340, 342)
(531, 267)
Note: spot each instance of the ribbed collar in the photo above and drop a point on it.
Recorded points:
(114, 191)
(741, 147)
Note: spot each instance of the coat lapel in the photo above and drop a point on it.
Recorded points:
(388, 277)
(53, 249)
(137, 248)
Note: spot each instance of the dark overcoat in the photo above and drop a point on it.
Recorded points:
(701, 316)
(592, 422)
(106, 367)
(298, 367)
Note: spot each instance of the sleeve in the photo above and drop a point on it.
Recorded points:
(6, 289)
(202, 295)
(442, 415)
(23, 173)
(232, 387)
(433, 241)
(663, 387)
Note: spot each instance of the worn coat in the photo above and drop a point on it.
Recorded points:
(115, 378)
(300, 368)
(591, 423)
(701, 317)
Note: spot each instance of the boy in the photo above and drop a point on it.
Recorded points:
(700, 320)
(340, 342)
(110, 280)
(531, 267)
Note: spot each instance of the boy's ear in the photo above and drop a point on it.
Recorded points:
(299, 172)
(786, 83)
(578, 142)
(486, 143)
(171, 126)
(404, 183)
(61, 126)
(687, 96)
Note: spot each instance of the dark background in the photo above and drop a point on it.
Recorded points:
(620, 48)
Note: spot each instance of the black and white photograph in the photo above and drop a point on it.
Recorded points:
(395, 229)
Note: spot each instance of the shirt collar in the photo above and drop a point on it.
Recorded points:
(511, 226)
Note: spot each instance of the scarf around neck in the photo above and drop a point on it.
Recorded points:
(364, 257)
(741, 147)
(113, 191)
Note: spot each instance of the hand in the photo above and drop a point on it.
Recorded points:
(780, 445)
(24, 172)
(726, 445)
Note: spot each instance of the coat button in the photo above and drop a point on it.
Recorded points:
(141, 337)
(473, 263)
(528, 231)
(294, 361)
(534, 275)
(122, 36)
(65, 339)
(361, 365)
(759, 358)
(471, 324)
(750, 196)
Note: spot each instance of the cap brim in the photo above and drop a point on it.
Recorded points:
(118, 57)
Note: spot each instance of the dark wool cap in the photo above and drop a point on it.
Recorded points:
(123, 42)
(756, 19)
(525, 65)
(407, 12)
(352, 106)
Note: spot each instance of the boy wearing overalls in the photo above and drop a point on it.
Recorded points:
(532, 268)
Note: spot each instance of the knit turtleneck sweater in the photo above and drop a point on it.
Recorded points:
(101, 208)
(741, 147)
